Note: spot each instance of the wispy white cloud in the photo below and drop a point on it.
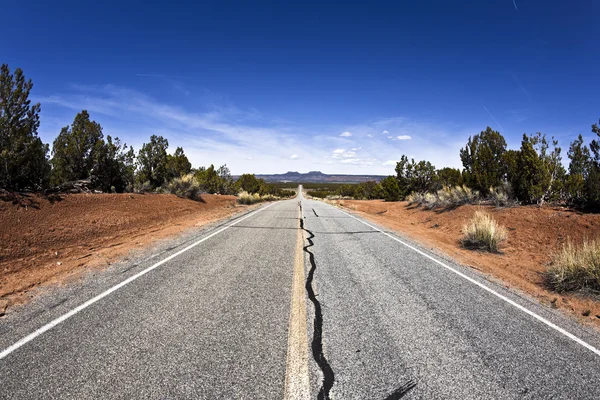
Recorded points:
(249, 141)
(345, 134)
(342, 153)
(385, 132)
(359, 161)
(515, 4)
(404, 137)
(390, 163)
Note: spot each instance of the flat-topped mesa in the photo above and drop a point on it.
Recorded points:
(318, 177)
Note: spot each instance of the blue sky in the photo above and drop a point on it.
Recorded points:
(348, 87)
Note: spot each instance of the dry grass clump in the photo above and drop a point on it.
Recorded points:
(483, 233)
(575, 267)
(447, 197)
(247, 198)
(252, 198)
(501, 197)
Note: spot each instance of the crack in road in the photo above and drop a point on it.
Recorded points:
(317, 341)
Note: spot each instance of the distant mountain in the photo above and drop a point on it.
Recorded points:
(319, 177)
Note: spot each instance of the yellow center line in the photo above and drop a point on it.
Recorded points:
(297, 384)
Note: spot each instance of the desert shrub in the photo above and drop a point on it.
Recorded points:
(483, 232)
(446, 197)
(162, 190)
(247, 198)
(430, 200)
(498, 197)
(460, 195)
(415, 198)
(502, 197)
(186, 186)
(575, 267)
(142, 187)
(269, 197)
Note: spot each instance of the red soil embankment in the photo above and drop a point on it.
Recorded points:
(45, 240)
(534, 235)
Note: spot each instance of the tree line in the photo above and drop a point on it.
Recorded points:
(533, 174)
(82, 152)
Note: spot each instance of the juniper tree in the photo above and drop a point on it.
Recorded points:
(74, 149)
(23, 155)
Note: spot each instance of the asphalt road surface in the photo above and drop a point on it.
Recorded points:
(293, 302)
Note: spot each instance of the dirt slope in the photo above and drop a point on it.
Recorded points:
(534, 234)
(44, 241)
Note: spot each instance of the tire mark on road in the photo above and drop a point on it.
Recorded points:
(317, 341)
(402, 390)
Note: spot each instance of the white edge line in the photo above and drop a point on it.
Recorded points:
(484, 287)
(91, 301)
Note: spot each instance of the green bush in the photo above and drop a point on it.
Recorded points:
(186, 186)
(390, 189)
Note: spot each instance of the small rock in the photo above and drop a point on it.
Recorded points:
(59, 263)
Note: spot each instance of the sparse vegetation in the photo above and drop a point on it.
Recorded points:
(575, 267)
(249, 198)
(320, 194)
(483, 233)
(359, 191)
(252, 198)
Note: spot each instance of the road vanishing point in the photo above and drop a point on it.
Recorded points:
(294, 300)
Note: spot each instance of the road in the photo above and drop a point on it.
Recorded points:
(293, 302)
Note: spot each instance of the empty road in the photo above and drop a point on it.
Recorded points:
(297, 299)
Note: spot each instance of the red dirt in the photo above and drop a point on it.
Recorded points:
(48, 241)
(534, 234)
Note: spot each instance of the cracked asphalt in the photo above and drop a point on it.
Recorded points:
(383, 322)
